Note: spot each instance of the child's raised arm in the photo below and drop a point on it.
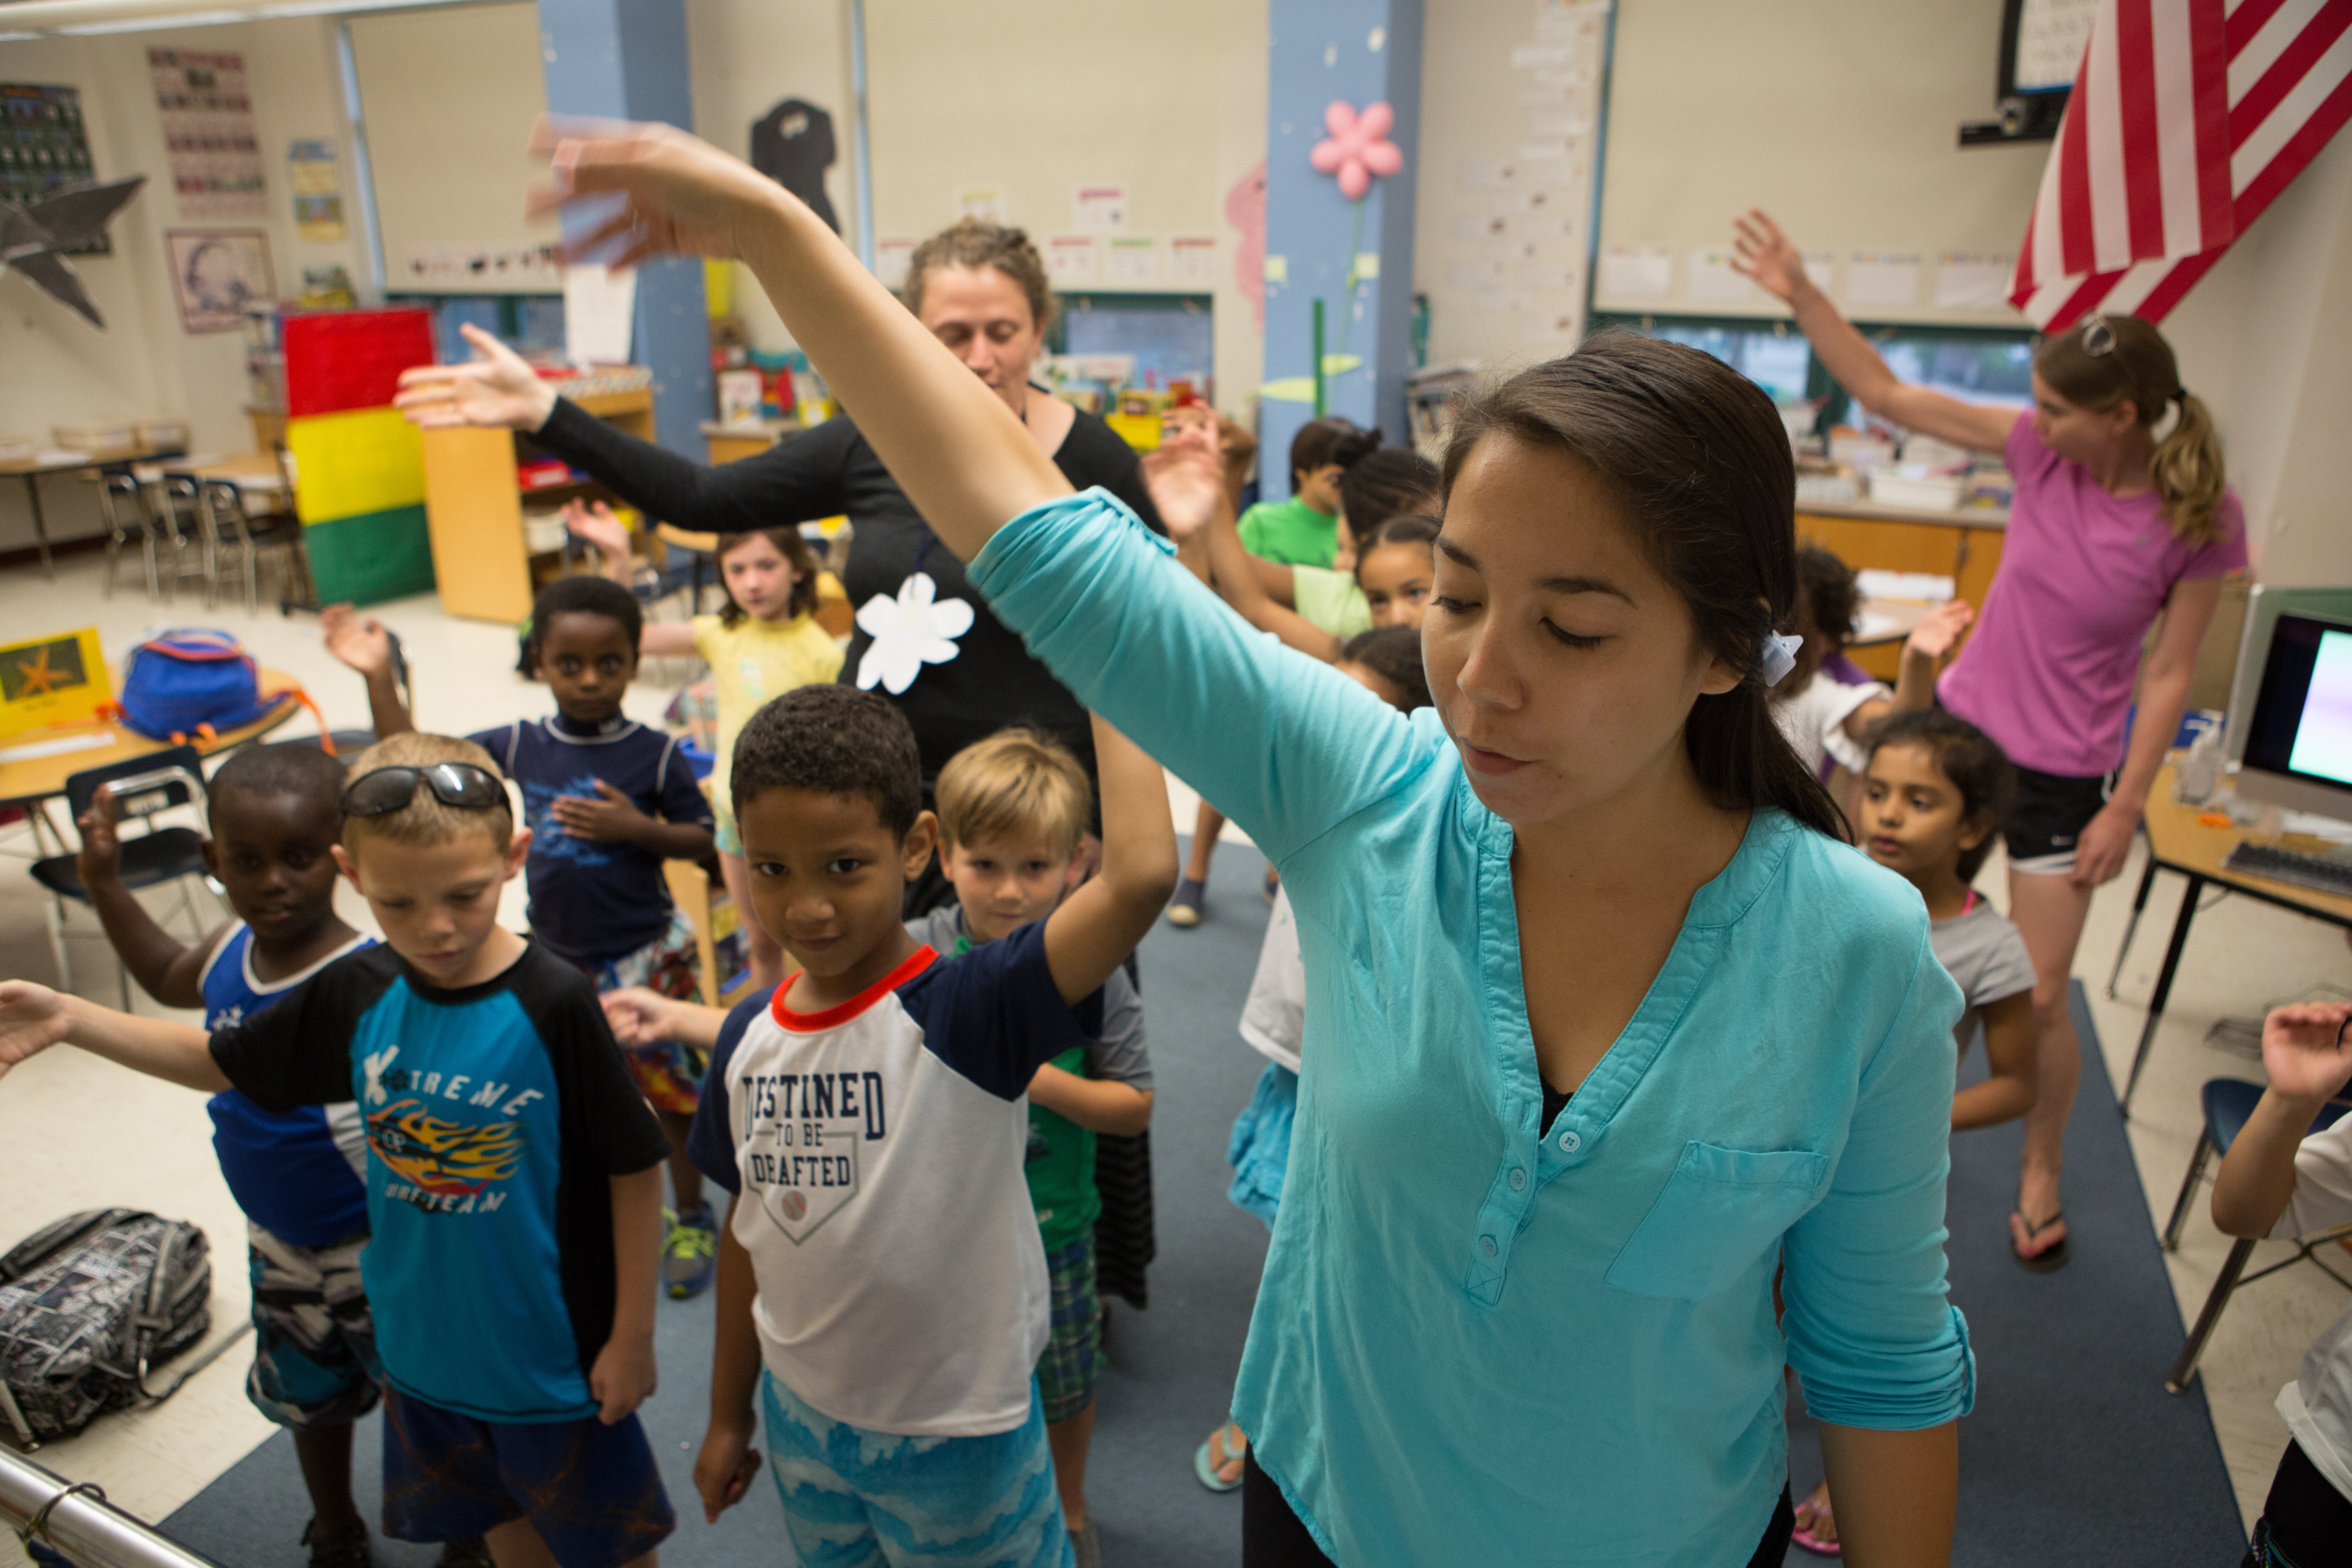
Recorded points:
(2309, 1057)
(1098, 925)
(166, 968)
(951, 444)
(34, 1017)
(361, 642)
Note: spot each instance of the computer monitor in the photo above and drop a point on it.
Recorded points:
(2299, 737)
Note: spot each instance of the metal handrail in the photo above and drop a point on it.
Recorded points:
(37, 1504)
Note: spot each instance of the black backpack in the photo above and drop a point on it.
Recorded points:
(89, 1304)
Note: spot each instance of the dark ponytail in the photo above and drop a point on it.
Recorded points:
(1698, 456)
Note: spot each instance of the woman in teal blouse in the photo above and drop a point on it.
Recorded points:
(1604, 1027)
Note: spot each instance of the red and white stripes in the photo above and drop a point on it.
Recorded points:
(2187, 120)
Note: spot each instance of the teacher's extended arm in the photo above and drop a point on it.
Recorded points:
(2163, 677)
(953, 446)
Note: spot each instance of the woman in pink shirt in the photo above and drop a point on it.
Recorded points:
(2113, 526)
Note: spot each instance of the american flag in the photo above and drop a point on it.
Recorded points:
(2188, 118)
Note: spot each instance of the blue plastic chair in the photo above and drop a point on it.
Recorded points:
(2228, 1102)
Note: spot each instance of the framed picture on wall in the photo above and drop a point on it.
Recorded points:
(216, 276)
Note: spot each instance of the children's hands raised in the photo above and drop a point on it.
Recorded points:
(1760, 251)
(1939, 632)
(610, 818)
(32, 1019)
(360, 641)
(723, 1470)
(101, 859)
(640, 1017)
(1186, 478)
(597, 525)
(2306, 1049)
(684, 196)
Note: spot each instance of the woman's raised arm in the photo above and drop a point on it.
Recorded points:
(953, 446)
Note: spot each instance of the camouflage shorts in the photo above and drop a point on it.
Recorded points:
(314, 1362)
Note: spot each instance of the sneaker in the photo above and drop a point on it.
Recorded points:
(1184, 908)
(349, 1550)
(471, 1552)
(690, 1256)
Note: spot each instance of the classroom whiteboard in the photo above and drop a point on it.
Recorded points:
(450, 97)
(1842, 119)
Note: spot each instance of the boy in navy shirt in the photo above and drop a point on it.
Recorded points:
(607, 800)
(881, 1278)
(513, 1176)
(276, 814)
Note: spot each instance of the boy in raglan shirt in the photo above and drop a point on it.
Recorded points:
(513, 1179)
(881, 1259)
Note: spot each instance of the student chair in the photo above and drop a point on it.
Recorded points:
(129, 523)
(180, 530)
(2229, 1101)
(141, 787)
(238, 540)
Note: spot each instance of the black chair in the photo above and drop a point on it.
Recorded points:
(141, 787)
(128, 525)
(2229, 1101)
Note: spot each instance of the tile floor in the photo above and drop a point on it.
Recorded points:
(74, 1133)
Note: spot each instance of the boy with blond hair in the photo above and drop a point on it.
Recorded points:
(513, 1181)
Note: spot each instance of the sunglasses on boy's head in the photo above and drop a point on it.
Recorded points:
(387, 790)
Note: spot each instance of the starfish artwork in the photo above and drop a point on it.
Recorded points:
(35, 237)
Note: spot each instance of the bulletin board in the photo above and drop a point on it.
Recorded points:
(450, 96)
(1839, 116)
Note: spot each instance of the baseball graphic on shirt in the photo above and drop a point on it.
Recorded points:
(791, 1205)
(804, 1170)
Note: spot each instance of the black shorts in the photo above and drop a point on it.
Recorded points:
(2051, 810)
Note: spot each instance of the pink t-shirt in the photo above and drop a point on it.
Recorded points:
(2048, 672)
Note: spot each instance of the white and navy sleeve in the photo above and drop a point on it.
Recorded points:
(995, 1015)
(711, 1142)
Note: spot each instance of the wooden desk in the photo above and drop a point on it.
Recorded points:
(1964, 545)
(30, 471)
(31, 781)
(2178, 842)
(731, 443)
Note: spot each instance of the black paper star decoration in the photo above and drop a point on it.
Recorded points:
(33, 237)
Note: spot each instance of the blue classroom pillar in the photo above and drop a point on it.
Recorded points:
(1361, 52)
(627, 59)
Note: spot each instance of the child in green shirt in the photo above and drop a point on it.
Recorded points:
(1304, 531)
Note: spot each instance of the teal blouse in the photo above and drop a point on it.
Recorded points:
(1471, 1344)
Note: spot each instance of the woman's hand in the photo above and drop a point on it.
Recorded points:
(497, 390)
(682, 196)
(1186, 478)
(1760, 251)
(2306, 1049)
(2106, 844)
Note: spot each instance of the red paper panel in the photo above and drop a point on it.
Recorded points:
(342, 360)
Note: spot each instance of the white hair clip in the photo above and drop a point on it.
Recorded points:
(1780, 657)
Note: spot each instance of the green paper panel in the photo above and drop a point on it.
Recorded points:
(371, 557)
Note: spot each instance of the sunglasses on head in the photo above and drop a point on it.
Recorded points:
(2098, 338)
(387, 790)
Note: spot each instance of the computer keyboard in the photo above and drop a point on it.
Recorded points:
(2324, 873)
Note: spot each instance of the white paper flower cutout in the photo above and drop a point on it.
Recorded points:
(910, 631)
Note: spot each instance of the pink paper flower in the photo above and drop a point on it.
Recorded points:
(1358, 147)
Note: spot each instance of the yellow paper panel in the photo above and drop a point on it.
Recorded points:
(348, 464)
(57, 680)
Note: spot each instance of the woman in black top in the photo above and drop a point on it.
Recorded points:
(980, 287)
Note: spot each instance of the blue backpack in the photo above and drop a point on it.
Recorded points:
(182, 684)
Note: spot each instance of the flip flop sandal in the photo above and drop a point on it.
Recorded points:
(1805, 1540)
(2052, 1257)
(1213, 1454)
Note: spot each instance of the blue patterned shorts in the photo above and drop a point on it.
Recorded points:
(314, 1362)
(854, 1498)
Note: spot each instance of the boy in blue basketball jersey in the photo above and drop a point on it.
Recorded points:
(276, 815)
(513, 1176)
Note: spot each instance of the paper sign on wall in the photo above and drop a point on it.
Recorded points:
(1131, 260)
(891, 257)
(1972, 282)
(1636, 272)
(985, 203)
(1883, 280)
(1098, 209)
(316, 179)
(1708, 277)
(1071, 260)
(1192, 261)
(600, 308)
(208, 136)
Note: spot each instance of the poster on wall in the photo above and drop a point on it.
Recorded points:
(217, 277)
(43, 150)
(316, 177)
(208, 134)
